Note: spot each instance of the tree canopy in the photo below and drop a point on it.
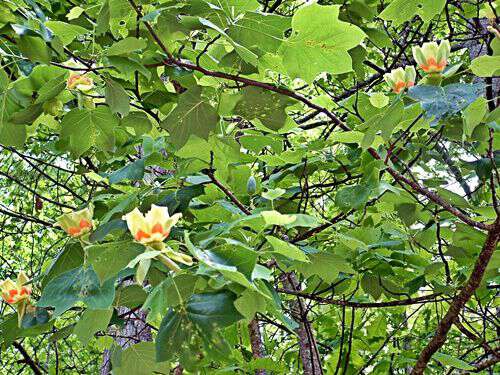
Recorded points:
(249, 186)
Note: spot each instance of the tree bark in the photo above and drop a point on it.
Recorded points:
(308, 350)
(135, 330)
(256, 343)
(460, 300)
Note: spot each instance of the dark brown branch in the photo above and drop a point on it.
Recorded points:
(27, 358)
(328, 301)
(459, 301)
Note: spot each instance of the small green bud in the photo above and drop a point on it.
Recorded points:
(52, 107)
(251, 185)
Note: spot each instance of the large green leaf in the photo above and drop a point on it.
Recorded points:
(140, 359)
(90, 322)
(486, 66)
(87, 128)
(263, 31)
(448, 100)
(400, 11)
(286, 249)
(192, 116)
(319, 43)
(65, 31)
(212, 310)
(171, 336)
(70, 257)
(78, 284)
(449, 360)
(117, 98)
(109, 259)
(266, 107)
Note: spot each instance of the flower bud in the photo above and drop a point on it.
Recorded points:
(400, 78)
(80, 82)
(431, 57)
(76, 223)
(15, 292)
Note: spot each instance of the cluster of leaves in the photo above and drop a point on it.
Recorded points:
(303, 182)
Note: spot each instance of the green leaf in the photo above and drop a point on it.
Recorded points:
(371, 285)
(133, 171)
(169, 293)
(86, 128)
(109, 259)
(212, 310)
(444, 101)
(448, 360)
(227, 266)
(130, 296)
(400, 11)
(258, 30)
(325, 265)
(90, 322)
(117, 98)
(78, 284)
(264, 106)
(352, 197)
(192, 116)
(65, 31)
(51, 89)
(34, 48)
(319, 43)
(138, 121)
(286, 249)
(249, 303)
(140, 359)
(277, 218)
(486, 66)
(171, 336)
(474, 114)
(379, 100)
(70, 257)
(126, 46)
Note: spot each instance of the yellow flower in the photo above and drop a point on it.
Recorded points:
(431, 57)
(154, 227)
(76, 223)
(400, 78)
(151, 229)
(15, 292)
(80, 82)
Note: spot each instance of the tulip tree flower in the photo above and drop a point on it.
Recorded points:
(17, 293)
(400, 78)
(80, 82)
(154, 227)
(431, 57)
(76, 223)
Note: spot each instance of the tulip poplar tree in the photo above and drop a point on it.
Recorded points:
(249, 186)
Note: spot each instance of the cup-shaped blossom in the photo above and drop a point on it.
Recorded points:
(17, 291)
(153, 227)
(431, 57)
(400, 79)
(80, 82)
(77, 223)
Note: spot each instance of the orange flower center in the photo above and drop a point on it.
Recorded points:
(85, 224)
(141, 234)
(398, 86)
(433, 65)
(157, 228)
